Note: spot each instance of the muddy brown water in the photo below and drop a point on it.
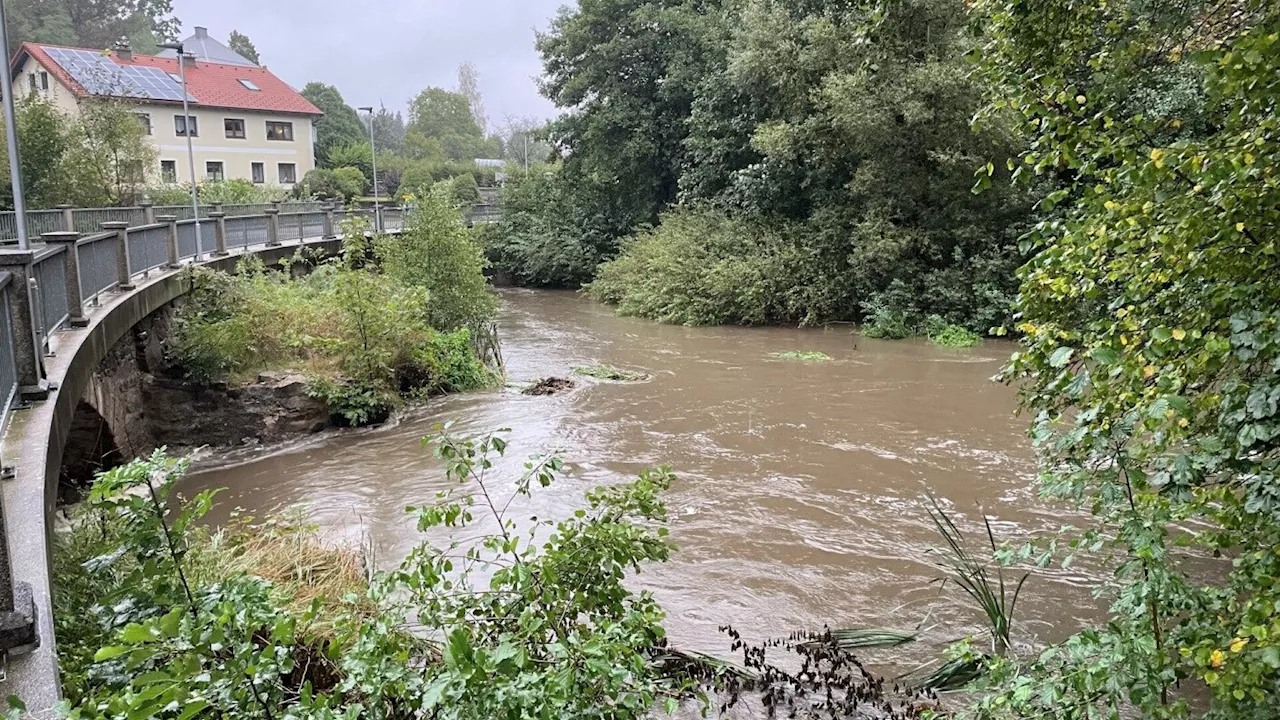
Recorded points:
(801, 492)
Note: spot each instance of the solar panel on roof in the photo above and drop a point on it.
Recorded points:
(99, 75)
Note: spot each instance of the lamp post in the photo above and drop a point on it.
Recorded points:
(11, 138)
(373, 151)
(191, 154)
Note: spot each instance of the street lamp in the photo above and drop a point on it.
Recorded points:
(11, 137)
(191, 154)
(373, 151)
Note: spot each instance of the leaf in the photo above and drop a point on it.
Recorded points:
(1105, 355)
(1061, 357)
(110, 652)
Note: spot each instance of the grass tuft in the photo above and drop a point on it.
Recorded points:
(805, 355)
(609, 372)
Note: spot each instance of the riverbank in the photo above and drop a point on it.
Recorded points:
(801, 494)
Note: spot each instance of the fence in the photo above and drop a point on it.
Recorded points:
(89, 220)
(47, 288)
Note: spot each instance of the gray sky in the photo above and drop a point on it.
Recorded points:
(386, 51)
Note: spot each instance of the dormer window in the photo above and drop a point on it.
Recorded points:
(248, 85)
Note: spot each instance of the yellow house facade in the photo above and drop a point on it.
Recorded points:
(245, 122)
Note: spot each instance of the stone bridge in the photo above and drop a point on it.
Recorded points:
(64, 305)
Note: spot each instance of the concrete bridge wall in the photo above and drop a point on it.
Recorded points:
(37, 438)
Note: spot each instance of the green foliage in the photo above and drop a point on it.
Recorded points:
(226, 192)
(98, 158)
(161, 620)
(446, 117)
(955, 336)
(1150, 344)
(340, 126)
(836, 139)
(804, 355)
(244, 47)
(363, 338)
(344, 183)
(608, 372)
(543, 239)
(703, 268)
(43, 138)
(464, 192)
(437, 254)
(92, 24)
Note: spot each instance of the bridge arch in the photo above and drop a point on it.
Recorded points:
(85, 412)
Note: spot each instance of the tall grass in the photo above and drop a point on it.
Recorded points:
(987, 588)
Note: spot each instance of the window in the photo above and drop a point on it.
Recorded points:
(31, 82)
(248, 85)
(180, 126)
(288, 173)
(279, 130)
(144, 119)
(213, 170)
(235, 128)
(176, 77)
(259, 173)
(44, 80)
(169, 171)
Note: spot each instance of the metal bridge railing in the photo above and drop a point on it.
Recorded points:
(89, 220)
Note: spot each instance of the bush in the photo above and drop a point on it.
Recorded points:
(344, 182)
(438, 254)
(227, 192)
(697, 268)
(464, 191)
(363, 338)
(157, 617)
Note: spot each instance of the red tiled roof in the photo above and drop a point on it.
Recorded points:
(212, 84)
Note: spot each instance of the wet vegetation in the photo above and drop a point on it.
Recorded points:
(370, 329)
(805, 355)
(602, 371)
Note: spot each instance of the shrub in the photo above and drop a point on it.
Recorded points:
(344, 182)
(438, 254)
(363, 338)
(464, 191)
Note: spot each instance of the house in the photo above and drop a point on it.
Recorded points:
(245, 122)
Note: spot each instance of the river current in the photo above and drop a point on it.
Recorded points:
(801, 492)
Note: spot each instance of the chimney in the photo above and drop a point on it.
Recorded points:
(188, 60)
(123, 51)
(202, 33)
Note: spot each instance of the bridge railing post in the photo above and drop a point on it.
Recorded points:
(175, 254)
(219, 232)
(124, 267)
(148, 212)
(328, 220)
(75, 303)
(273, 225)
(68, 217)
(27, 353)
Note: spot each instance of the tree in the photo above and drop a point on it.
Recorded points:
(469, 87)
(524, 142)
(244, 47)
(446, 117)
(92, 23)
(340, 125)
(1150, 348)
(43, 138)
(109, 155)
(389, 130)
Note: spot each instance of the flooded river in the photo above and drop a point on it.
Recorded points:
(801, 492)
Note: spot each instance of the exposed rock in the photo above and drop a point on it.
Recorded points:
(549, 386)
(135, 402)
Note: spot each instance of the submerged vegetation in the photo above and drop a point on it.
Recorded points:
(369, 329)
(805, 355)
(609, 372)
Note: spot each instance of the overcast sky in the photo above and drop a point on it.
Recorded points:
(386, 51)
